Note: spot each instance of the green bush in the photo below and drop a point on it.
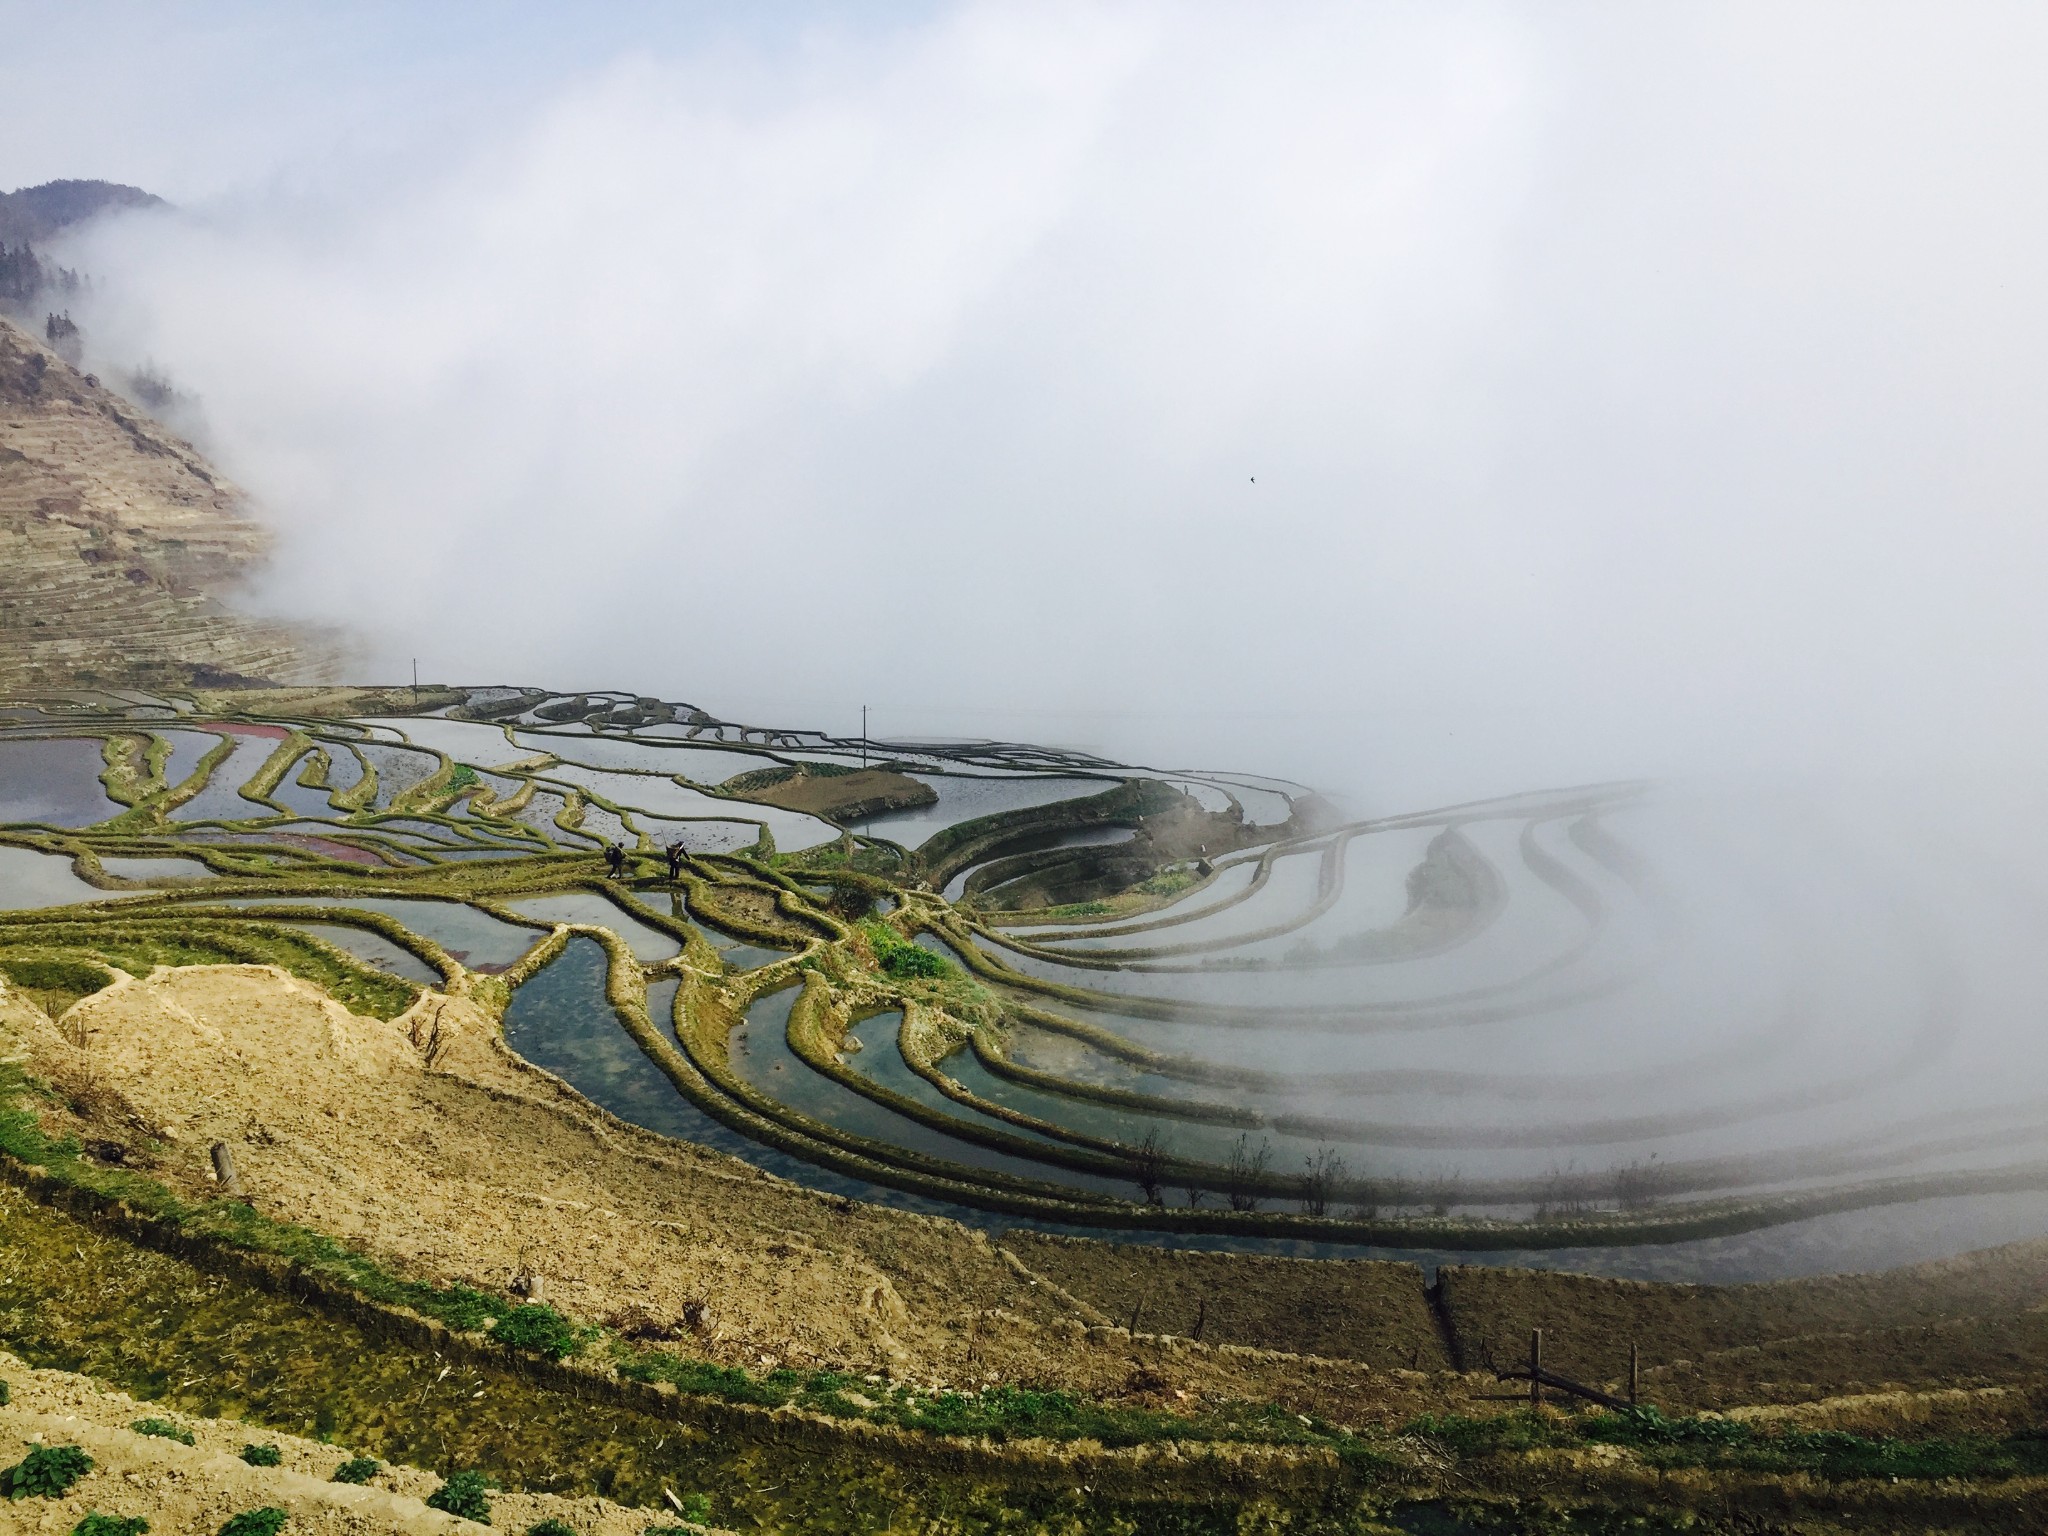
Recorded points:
(465, 1495)
(267, 1521)
(901, 959)
(357, 1469)
(95, 1524)
(551, 1527)
(538, 1327)
(262, 1455)
(163, 1429)
(46, 1472)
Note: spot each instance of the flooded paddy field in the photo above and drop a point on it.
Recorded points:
(1172, 1006)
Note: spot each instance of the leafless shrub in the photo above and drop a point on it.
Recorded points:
(1562, 1194)
(1637, 1186)
(1319, 1183)
(1441, 1193)
(1247, 1170)
(1148, 1167)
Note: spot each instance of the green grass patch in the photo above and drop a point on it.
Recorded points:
(900, 959)
(138, 943)
(1709, 1441)
(163, 1429)
(1170, 881)
(997, 1413)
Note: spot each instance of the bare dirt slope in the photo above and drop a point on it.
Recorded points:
(1589, 1322)
(191, 1490)
(115, 539)
(1360, 1309)
(426, 1144)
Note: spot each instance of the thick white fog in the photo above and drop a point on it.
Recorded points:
(1420, 401)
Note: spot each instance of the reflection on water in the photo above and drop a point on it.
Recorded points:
(54, 781)
(31, 879)
(374, 949)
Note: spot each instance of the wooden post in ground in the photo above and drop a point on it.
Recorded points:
(1634, 1363)
(224, 1170)
(1535, 1367)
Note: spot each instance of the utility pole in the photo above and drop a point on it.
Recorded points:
(415, 682)
(863, 735)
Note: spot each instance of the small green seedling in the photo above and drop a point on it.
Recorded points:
(464, 1494)
(96, 1524)
(3, 1394)
(357, 1469)
(551, 1527)
(693, 1507)
(46, 1472)
(262, 1455)
(267, 1521)
(163, 1429)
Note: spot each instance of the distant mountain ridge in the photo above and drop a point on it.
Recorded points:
(32, 214)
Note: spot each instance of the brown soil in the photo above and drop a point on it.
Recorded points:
(1353, 1309)
(426, 1144)
(1974, 1351)
(190, 1490)
(1588, 1322)
(845, 796)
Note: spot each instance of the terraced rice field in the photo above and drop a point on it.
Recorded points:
(1084, 995)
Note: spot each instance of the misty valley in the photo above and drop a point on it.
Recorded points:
(1420, 910)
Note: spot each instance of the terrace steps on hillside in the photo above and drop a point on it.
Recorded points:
(114, 538)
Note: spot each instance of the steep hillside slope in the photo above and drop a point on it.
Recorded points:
(114, 536)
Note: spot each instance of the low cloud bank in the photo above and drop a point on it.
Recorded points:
(1419, 401)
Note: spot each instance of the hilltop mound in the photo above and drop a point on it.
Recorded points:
(114, 538)
(37, 213)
